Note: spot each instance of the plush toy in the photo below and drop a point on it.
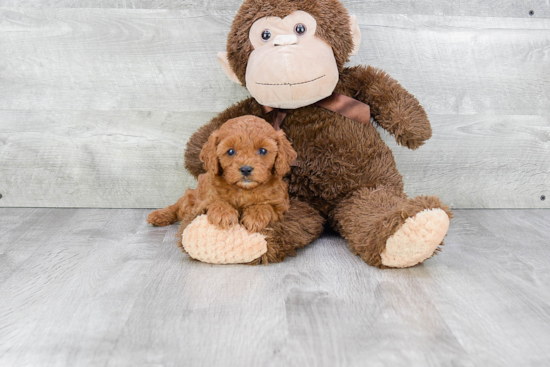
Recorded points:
(290, 55)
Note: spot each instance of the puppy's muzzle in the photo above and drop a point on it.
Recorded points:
(246, 170)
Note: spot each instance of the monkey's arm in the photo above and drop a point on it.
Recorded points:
(192, 162)
(393, 108)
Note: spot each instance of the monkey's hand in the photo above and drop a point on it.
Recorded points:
(393, 108)
(408, 123)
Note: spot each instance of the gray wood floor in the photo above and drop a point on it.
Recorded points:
(99, 287)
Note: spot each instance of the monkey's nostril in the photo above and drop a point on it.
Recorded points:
(246, 170)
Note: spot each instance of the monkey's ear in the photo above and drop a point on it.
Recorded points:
(224, 62)
(355, 34)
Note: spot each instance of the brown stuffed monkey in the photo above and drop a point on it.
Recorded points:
(290, 55)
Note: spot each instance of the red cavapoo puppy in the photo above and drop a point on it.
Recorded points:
(245, 161)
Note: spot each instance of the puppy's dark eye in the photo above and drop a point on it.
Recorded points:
(231, 152)
(262, 151)
(300, 29)
(266, 35)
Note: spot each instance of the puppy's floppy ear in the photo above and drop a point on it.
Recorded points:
(285, 155)
(209, 155)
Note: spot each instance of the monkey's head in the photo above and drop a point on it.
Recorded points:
(289, 53)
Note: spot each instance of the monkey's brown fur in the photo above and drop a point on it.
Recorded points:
(226, 195)
(345, 173)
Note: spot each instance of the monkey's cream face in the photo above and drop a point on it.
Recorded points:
(290, 66)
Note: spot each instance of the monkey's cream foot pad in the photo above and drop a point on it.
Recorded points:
(205, 242)
(416, 240)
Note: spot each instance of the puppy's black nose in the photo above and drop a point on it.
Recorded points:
(246, 170)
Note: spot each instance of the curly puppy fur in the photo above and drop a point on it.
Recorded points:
(345, 172)
(245, 162)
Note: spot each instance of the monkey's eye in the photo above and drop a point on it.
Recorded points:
(266, 35)
(262, 151)
(231, 152)
(300, 29)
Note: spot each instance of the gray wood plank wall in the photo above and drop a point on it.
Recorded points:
(98, 98)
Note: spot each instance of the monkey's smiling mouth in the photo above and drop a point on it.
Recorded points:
(309, 81)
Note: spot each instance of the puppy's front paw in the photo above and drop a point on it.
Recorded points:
(223, 217)
(255, 220)
(254, 225)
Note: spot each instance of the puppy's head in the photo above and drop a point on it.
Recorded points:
(247, 152)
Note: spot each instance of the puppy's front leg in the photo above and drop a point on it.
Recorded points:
(221, 214)
(257, 217)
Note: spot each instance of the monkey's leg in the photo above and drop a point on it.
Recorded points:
(205, 242)
(173, 213)
(300, 226)
(387, 229)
